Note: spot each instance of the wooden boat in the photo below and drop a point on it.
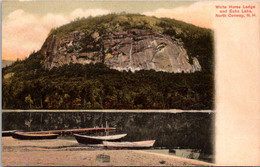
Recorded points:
(71, 131)
(83, 139)
(8, 133)
(31, 136)
(129, 145)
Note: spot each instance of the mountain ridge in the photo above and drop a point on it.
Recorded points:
(134, 49)
(88, 38)
(6, 63)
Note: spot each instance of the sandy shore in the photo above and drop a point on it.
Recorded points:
(61, 152)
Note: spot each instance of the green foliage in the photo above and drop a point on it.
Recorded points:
(28, 100)
(95, 86)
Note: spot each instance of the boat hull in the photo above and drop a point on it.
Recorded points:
(30, 136)
(129, 145)
(72, 131)
(82, 139)
(8, 133)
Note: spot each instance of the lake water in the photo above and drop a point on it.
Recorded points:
(184, 130)
(185, 153)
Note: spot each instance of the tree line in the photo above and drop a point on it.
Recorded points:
(95, 86)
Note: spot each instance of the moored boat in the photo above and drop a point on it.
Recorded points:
(129, 145)
(84, 139)
(32, 136)
(8, 133)
(71, 131)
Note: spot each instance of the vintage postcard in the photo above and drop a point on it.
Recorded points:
(130, 83)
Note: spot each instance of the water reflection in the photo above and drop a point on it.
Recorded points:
(185, 153)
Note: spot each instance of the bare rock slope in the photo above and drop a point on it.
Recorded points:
(134, 49)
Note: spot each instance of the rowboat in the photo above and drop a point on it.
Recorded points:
(31, 136)
(129, 145)
(8, 133)
(83, 139)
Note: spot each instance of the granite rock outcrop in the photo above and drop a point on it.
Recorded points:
(134, 49)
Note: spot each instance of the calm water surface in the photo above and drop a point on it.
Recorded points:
(185, 153)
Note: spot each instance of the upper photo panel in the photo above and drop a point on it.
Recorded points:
(107, 55)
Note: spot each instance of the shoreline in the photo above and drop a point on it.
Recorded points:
(116, 111)
(69, 153)
(193, 161)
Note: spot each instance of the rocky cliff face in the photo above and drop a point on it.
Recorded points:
(133, 50)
